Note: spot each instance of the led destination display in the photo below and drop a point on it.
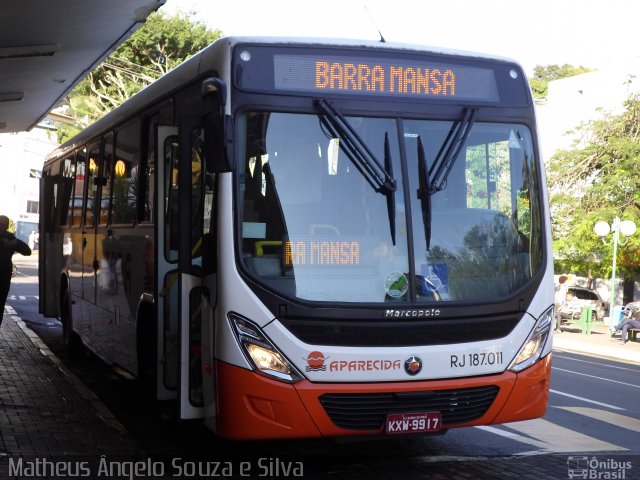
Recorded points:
(394, 74)
(377, 76)
(352, 77)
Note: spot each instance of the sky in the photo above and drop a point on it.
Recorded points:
(590, 33)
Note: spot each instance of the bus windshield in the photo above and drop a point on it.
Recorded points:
(463, 227)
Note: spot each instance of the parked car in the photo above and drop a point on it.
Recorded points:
(583, 296)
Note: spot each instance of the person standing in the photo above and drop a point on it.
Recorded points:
(9, 245)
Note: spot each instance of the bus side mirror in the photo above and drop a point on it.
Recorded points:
(215, 86)
(218, 130)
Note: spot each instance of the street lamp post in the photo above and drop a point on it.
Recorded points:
(602, 229)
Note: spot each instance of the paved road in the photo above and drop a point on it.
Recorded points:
(594, 415)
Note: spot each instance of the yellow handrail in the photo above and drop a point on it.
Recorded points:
(266, 243)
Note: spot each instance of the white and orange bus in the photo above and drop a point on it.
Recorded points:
(295, 238)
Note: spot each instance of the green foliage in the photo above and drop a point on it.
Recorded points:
(556, 72)
(495, 190)
(597, 180)
(539, 87)
(65, 131)
(158, 46)
(542, 75)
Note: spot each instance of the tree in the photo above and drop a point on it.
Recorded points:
(542, 75)
(597, 180)
(158, 46)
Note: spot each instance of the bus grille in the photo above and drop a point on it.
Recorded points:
(399, 334)
(368, 411)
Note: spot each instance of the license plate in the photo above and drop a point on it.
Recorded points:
(413, 422)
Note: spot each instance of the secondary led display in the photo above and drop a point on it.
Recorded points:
(321, 253)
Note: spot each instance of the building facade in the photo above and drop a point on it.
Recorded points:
(21, 157)
(575, 100)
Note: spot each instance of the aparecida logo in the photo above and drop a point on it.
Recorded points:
(597, 468)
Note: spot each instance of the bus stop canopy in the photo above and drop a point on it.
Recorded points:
(47, 47)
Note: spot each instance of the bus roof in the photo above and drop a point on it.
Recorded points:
(391, 46)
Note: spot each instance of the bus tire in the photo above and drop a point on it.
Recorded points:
(146, 336)
(70, 339)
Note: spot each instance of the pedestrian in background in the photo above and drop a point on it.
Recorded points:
(631, 320)
(9, 245)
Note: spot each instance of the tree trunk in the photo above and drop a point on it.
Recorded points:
(628, 288)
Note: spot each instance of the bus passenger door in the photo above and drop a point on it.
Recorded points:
(167, 262)
(183, 236)
(194, 204)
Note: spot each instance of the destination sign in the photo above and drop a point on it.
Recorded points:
(379, 72)
(367, 77)
(396, 74)
(379, 76)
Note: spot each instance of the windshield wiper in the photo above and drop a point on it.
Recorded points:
(450, 150)
(378, 176)
(391, 196)
(424, 194)
(436, 179)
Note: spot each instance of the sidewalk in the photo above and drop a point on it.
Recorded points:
(599, 344)
(44, 409)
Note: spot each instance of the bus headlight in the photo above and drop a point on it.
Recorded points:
(533, 347)
(260, 351)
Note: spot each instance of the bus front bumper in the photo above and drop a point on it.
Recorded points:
(252, 406)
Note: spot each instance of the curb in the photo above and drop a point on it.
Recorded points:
(578, 349)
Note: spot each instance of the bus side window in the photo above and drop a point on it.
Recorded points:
(148, 170)
(126, 171)
(209, 225)
(149, 159)
(171, 149)
(92, 187)
(65, 191)
(77, 200)
(202, 206)
(197, 193)
(107, 170)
